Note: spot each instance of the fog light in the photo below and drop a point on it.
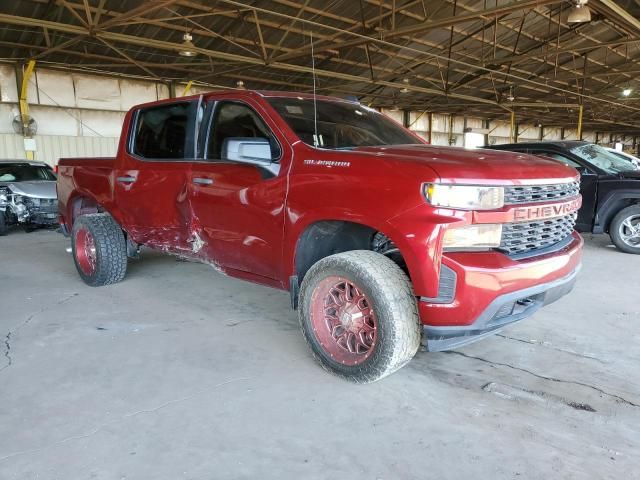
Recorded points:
(473, 236)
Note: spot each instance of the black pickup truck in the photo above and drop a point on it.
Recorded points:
(610, 188)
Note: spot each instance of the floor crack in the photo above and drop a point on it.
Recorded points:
(7, 351)
(544, 377)
(545, 345)
(7, 338)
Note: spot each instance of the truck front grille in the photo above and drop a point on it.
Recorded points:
(527, 237)
(540, 193)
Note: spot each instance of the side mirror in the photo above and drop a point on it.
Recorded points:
(256, 151)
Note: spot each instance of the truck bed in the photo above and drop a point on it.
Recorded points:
(77, 176)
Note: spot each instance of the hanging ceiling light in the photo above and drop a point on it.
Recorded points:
(240, 84)
(405, 89)
(511, 97)
(188, 49)
(579, 13)
(627, 91)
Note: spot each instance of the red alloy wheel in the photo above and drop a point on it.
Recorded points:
(86, 251)
(343, 320)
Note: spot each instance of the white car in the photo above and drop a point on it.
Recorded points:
(626, 156)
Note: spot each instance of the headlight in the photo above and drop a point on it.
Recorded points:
(464, 197)
(473, 236)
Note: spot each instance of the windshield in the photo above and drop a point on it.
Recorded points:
(601, 158)
(340, 124)
(23, 172)
(626, 157)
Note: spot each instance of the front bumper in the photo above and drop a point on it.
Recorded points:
(492, 291)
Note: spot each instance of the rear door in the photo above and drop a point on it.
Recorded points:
(151, 180)
(238, 208)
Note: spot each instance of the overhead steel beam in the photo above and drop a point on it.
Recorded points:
(174, 47)
(425, 26)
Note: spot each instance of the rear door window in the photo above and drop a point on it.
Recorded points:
(164, 132)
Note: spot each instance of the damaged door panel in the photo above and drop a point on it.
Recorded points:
(238, 207)
(151, 182)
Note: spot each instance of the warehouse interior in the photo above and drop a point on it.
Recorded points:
(181, 372)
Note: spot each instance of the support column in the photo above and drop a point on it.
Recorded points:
(24, 107)
(513, 134)
(580, 113)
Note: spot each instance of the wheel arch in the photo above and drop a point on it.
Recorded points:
(321, 238)
(613, 205)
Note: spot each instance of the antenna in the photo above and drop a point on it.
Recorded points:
(316, 137)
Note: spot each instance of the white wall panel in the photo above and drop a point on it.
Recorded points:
(55, 88)
(551, 134)
(440, 122)
(96, 92)
(473, 122)
(458, 125)
(441, 139)
(55, 121)
(11, 146)
(7, 114)
(394, 114)
(136, 92)
(528, 132)
(162, 91)
(8, 86)
(105, 124)
(419, 121)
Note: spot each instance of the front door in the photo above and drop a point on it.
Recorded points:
(151, 185)
(238, 209)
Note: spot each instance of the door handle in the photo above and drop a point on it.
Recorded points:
(202, 181)
(126, 179)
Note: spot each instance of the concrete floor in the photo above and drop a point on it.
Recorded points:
(182, 373)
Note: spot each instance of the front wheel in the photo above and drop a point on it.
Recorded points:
(358, 314)
(99, 249)
(625, 230)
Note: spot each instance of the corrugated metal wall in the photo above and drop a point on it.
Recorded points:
(50, 148)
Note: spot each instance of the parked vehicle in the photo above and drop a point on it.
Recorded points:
(27, 195)
(610, 188)
(380, 239)
(625, 156)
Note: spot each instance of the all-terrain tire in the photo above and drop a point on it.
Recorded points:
(99, 249)
(3, 225)
(632, 212)
(388, 293)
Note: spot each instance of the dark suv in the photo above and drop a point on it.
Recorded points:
(610, 188)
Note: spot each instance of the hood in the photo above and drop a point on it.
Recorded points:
(460, 165)
(36, 189)
(631, 174)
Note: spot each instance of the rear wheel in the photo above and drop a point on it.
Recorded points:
(625, 230)
(359, 316)
(3, 224)
(99, 249)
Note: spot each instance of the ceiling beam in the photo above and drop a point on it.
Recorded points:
(425, 26)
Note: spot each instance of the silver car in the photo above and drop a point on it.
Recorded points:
(27, 195)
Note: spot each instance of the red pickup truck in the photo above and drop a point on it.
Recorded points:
(383, 241)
